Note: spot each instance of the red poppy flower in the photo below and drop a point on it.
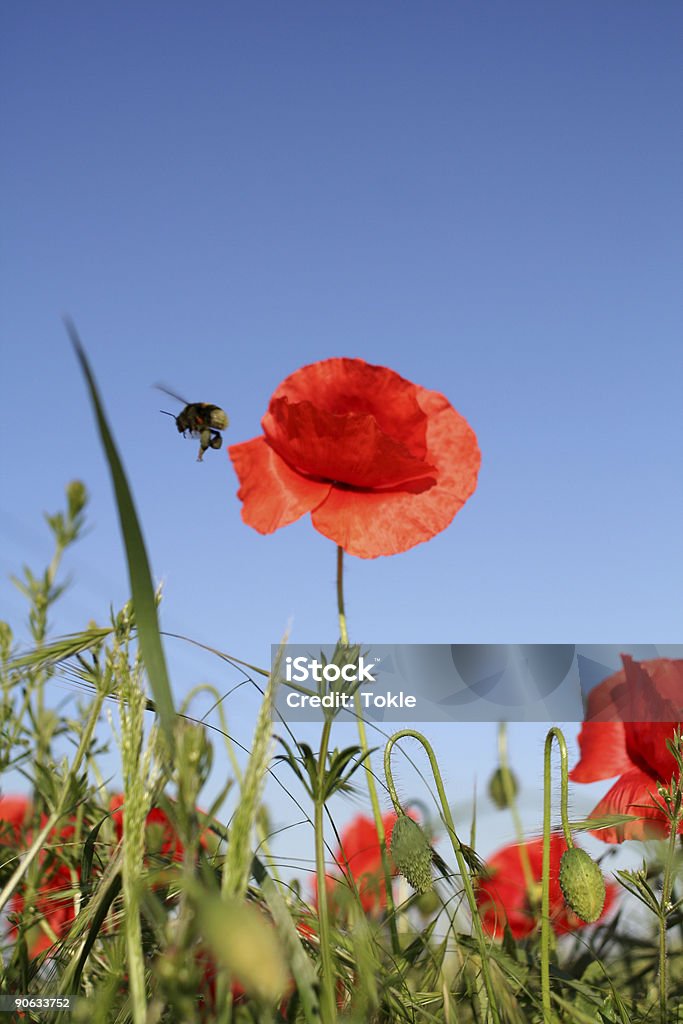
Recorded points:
(380, 463)
(54, 901)
(360, 858)
(161, 839)
(502, 891)
(15, 812)
(636, 751)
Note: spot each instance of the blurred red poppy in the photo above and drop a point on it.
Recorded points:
(380, 463)
(54, 908)
(636, 751)
(359, 858)
(161, 839)
(502, 891)
(15, 813)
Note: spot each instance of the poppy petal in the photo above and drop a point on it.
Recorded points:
(272, 494)
(368, 524)
(381, 463)
(603, 752)
(349, 449)
(635, 792)
(14, 813)
(343, 386)
(646, 744)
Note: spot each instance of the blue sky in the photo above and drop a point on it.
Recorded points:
(482, 197)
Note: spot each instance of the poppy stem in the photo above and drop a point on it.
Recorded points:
(511, 800)
(369, 777)
(343, 630)
(553, 734)
(491, 1012)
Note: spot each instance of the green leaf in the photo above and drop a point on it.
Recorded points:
(141, 585)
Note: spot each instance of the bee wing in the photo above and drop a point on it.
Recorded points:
(172, 394)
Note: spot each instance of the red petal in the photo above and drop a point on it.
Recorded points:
(666, 675)
(273, 495)
(342, 386)
(502, 895)
(606, 700)
(656, 691)
(603, 752)
(634, 793)
(368, 524)
(347, 448)
(360, 847)
(14, 813)
(646, 744)
(643, 691)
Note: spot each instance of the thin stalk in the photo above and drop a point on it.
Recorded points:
(327, 1001)
(511, 801)
(667, 886)
(379, 825)
(343, 630)
(369, 777)
(556, 734)
(492, 1010)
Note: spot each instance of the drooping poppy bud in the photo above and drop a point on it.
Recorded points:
(412, 853)
(582, 884)
(503, 787)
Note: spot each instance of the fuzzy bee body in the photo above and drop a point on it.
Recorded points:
(201, 420)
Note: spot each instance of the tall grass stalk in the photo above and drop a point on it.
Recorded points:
(237, 866)
(327, 1000)
(138, 785)
(675, 808)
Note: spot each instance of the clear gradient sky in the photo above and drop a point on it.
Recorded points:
(483, 197)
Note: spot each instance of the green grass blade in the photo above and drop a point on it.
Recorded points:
(142, 588)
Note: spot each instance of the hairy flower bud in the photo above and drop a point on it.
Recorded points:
(412, 853)
(582, 884)
(503, 787)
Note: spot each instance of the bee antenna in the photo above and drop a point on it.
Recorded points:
(167, 413)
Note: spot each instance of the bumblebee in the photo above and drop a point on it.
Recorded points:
(199, 419)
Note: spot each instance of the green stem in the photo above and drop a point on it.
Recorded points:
(379, 825)
(369, 777)
(343, 630)
(511, 801)
(457, 850)
(667, 886)
(556, 734)
(327, 1002)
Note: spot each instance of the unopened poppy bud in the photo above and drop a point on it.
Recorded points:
(412, 853)
(428, 903)
(503, 787)
(582, 884)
